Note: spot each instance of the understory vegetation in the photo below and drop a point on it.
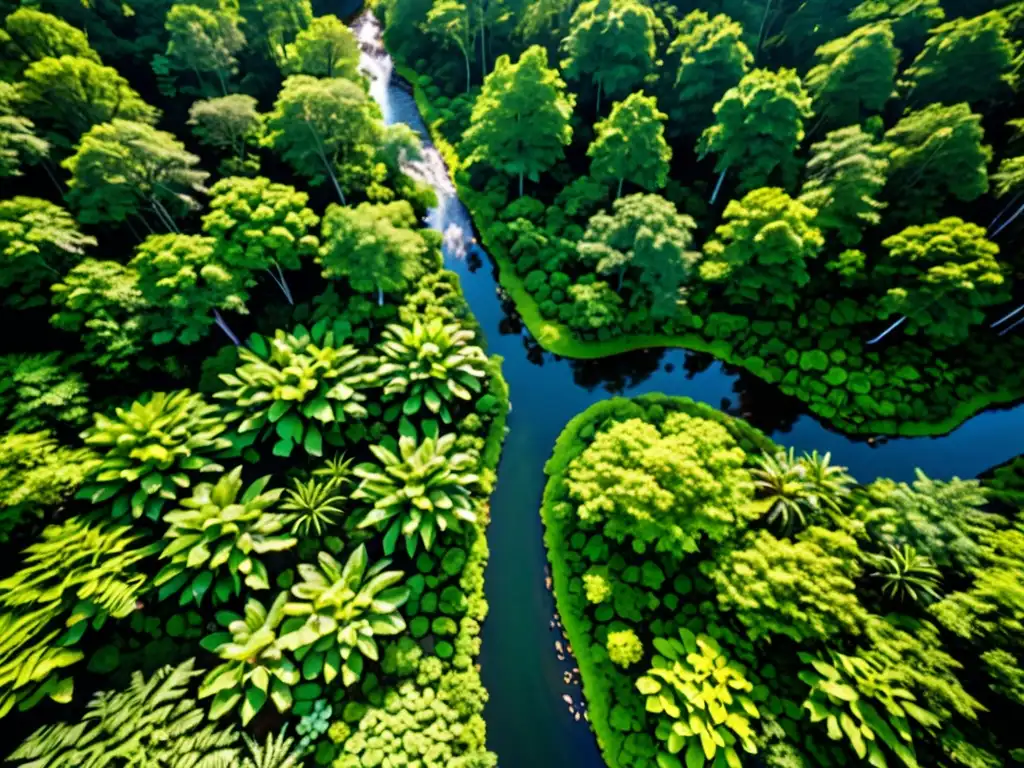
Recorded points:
(826, 194)
(731, 603)
(248, 428)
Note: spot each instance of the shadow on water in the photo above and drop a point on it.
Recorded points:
(528, 722)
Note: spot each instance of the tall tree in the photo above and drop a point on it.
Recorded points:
(19, 144)
(630, 145)
(182, 279)
(70, 95)
(845, 173)
(202, 40)
(33, 35)
(324, 128)
(375, 246)
(712, 59)
(275, 25)
(611, 43)
(232, 124)
(964, 60)
(122, 166)
(758, 126)
(911, 20)
(940, 276)
(763, 249)
(646, 242)
(327, 48)
(520, 120)
(935, 153)
(39, 241)
(448, 21)
(261, 226)
(855, 75)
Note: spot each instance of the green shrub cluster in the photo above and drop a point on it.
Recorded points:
(872, 627)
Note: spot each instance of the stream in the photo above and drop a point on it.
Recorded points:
(528, 722)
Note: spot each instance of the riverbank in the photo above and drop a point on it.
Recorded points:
(557, 338)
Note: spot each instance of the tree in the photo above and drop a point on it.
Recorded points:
(520, 121)
(758, 126)
(121, 165)
(323, 128)
(965, 60)
(181, 276)
(630, 145)
(936, 153)
(33, 35)
(230, 123)
(327, 48)
(855, 75)
(594, 306)
(712, 59)
(39, 242)
(276, 24)
(260, 225)
(667, 487)
(70, 95)
(803, 589)
(448, 21)
(795, 490)
(763, 249)
(39, 391)
(624, 648)
(911, 20)
(203, 40)
(612, 43)
(374, 246)
(19, 144)
(646, 240)
(845, 173)
(940, 276)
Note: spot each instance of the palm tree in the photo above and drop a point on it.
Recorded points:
(796, 489)
(832, 484)
(339, 610)
(906, 574)
(418, 493)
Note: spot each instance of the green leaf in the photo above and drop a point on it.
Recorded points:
(252, 704)
(412, 405)
(694, 755)
(313, 442)
(290, 427)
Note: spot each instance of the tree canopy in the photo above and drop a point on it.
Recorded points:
(630, 145)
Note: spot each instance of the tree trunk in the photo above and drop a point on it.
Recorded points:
(618, 192)
(223, 83)
(380, 296)
(1007, 207)
(718, 186)
(1009, 221)
(520, 184)
(281, 282)
(226, 328)
(1007, 330)
(760, 32)
(888, 330)
(465, 55)
(599, 96)
(1004, 318)
(622, 274)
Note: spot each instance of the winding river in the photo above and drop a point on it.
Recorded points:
(528, 722)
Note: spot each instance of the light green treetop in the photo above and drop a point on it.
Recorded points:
(327, 48)
(33, 35)
(204, 40)
(630, 145)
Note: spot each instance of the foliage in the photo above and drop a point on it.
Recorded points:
(713, 58)
(152, 722)
(758, 125)
(75, 577)
(647, 240)
(941, 276)
(33, 36)
(151, 450)
(38, 391)
(315, 505)
(119, 165)
(326, 48)
(298, 388)
(339, 611)
(795, 490)
(906, 574)
(215, 538)
(855, 75)
(965, 60)
(515, 95)
(668, 487)
(19, 144)
(420, 492)
(706, 698)
(624, 647)
(764, 248)
(431, 364)
(230, 123)
(630, 145)
(845, 173)
(802, 589)
(255, 666)
(204, 40)
(38, 242)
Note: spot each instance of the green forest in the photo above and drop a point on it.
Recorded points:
(251, 429)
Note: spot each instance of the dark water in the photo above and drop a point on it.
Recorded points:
(528, 723)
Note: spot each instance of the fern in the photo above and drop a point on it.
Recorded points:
(152, 724)
(278, 752)
(37, 392)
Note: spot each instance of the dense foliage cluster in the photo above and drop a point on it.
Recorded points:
(248, 427)
(827, 624)
(848, 174)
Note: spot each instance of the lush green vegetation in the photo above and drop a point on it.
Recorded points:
(826, 202)
(725, 598)
(248, 430)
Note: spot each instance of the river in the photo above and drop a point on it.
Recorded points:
(528, 724)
